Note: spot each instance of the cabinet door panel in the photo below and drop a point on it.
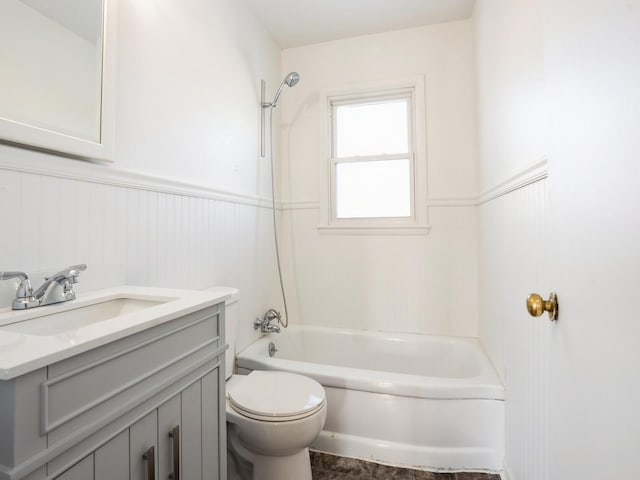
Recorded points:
(142, 435)
(192, 433)
(82, 470)
(211, 461)
(112, 459)
(39, 474)
(168, 419)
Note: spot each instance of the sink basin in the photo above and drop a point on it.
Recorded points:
(73, 319)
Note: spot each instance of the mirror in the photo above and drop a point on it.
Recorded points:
(55, 87)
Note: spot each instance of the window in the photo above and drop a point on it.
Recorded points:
(374, 163)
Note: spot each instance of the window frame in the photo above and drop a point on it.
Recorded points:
(411, 89)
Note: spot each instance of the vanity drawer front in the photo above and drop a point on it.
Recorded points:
(100, 385)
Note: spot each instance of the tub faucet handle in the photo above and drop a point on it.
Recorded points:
(265, 324)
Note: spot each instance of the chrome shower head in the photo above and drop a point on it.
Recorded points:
(290, 81)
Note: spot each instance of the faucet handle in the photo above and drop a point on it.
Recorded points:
(25, 288)
(74, 270)
(24, 294)
(11, 275)
(70, 273)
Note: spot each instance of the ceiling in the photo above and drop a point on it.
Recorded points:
(294, 23)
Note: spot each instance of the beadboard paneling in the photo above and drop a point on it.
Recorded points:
(396, 283)
(513, 228)
(136, 236)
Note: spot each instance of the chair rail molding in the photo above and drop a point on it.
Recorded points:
(120, 177)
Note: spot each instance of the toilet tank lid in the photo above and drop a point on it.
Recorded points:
(276, 394)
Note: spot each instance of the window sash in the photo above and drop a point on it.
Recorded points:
(412, 190)
(406, 94)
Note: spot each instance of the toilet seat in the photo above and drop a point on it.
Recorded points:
(276, 396)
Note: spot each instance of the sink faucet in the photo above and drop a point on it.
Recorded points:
(265, 324)
(59, 286)
(55, 289)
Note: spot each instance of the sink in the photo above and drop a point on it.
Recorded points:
(74, 319)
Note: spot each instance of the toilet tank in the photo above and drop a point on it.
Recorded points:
(230, 318)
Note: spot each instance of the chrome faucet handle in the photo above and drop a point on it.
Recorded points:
(70, 273)
(24, 294)
(271, 315)
(257, 323)
(265, 324)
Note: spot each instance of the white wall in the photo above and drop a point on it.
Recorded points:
(510, 83)
(187, 111)
(422, 284)
(188, 90)
(513, 220)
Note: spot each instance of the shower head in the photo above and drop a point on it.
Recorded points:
(290, 81)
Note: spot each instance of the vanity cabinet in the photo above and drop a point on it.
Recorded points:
(157, 393)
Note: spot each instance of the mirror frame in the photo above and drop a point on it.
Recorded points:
(30, 136)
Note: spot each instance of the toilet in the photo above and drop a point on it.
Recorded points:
(272, 418)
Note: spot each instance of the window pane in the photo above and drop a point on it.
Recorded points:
(372, 129)
(373, 189)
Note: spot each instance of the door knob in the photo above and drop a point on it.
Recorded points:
(536, 305)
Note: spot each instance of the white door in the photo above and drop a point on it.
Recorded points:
(592, 76)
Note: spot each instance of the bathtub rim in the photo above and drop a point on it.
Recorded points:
(487, 385)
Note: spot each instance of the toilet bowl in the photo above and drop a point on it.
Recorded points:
(272, 418)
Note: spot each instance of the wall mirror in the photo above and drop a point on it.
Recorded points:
(57, 81)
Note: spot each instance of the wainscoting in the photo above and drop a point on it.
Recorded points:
(137, 231)
(512, 265)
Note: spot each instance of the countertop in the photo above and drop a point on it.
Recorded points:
(21, 352)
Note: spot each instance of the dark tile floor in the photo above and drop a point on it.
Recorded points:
(331, 467)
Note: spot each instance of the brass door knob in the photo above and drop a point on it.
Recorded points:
(536, 305)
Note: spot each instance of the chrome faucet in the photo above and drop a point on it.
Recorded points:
(55, 289)
(265, 324)
(59, 287)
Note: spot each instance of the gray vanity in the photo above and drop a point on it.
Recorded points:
(138, 395)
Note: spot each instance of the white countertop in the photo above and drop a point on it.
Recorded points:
(22, 353)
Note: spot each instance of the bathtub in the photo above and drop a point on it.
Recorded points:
(420, 401)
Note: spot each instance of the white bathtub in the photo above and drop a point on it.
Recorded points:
(427, 402)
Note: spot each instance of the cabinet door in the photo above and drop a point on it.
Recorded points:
(112, 459)
(213, 429)
(82, 470)
(40, 474)
(143, 448)
(192, 432)
(169, 439)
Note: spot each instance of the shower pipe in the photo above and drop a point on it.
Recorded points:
(290, 80)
